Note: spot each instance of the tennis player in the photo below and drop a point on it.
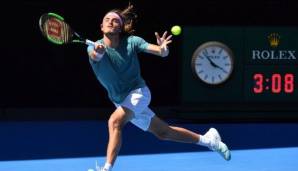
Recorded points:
(114, 60)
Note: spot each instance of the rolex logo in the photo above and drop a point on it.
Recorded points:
(274, 39)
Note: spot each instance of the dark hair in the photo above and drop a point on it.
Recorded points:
(128, 17)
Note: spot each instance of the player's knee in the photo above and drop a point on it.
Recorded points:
(115, 123)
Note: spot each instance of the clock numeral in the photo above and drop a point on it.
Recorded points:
(205, 52)
(219, 76)
(202, 57)
(220, 51)
(227, 64)
(206, 76)
(212, 79)
(224, 71)
(200, 72)
(224, 57)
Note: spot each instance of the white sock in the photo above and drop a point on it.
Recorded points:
(204, 141)
(107, 166)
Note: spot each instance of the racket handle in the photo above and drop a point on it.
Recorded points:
(89, 42)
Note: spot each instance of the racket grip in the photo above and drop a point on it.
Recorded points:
(89, 42)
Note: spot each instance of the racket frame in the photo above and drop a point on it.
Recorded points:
(70, 31)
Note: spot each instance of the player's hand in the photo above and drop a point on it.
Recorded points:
(164, 40)
(99, 48)
(163, 43)
(98, 52)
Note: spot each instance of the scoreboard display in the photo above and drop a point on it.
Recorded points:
(271, 83)
(271, 65)
(240, 66)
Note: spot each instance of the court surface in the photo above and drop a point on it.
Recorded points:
(76, 145)
(277, 159)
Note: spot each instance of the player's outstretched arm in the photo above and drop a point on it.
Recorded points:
(96, 52)
(161, 49)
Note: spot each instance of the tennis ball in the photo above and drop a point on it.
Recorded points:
(176, 30)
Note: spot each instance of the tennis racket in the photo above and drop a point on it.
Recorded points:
(56, 30)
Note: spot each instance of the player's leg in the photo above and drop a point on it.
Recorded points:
(165, 132)
(134, 103)
(211, 139)
(116, 122)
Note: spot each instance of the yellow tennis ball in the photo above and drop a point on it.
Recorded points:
(176, 30)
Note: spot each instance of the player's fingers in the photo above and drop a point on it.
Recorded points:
(169, 37)
(101, 46)
(157, 38)
(169, 41)
(164, 35)
(93, 53)
(96, 46)
(157, 35)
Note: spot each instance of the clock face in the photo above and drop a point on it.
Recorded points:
(212, 63)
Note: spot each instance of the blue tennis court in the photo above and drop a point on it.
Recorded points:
(76, 145)
(275, 159)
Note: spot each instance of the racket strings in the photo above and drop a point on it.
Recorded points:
(56, 30)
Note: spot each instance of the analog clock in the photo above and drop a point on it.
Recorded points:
(212, 62)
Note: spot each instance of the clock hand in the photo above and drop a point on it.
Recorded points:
(211, 62)
(222, 69)
(215, 65)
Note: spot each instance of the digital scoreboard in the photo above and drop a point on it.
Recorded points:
(271, 65)
(240, 66)
(271, 83)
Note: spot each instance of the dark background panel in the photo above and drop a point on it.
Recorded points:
(37, 74)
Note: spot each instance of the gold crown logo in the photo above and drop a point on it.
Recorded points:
(274, 39)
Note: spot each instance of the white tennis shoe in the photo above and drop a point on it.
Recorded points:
(217, 145)
(102, 169)
(98, 168)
